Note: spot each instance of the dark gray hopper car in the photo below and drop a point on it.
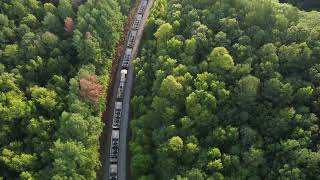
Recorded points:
(143, 6)
(132, 38)
(126, 58)
(113, 172)
(136, 22)
(117, 115)
(114, 150)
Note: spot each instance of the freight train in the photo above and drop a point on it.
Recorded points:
(115, 136)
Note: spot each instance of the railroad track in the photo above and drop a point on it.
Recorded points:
(117, 161)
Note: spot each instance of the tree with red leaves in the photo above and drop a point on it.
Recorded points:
(90, 88)
(68, 24)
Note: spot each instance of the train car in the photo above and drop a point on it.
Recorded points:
(132, 38)
(122, 83)
(126, 58)
(136, 22)
(113, 172)
(114, 148)
(117, 115)
(143, 6)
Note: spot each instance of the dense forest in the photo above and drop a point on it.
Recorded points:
(304, 4)
(227, 89)
(55, 58)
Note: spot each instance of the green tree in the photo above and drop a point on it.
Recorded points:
(278, 92)
(141, 163)
(163, 32)
(248, 88)
(220, 60)
(65, 9)
(18, 162)
(171, 89)
(52, 23)
(73, 160)
(195, 174)
(200, 106)
(45, 99)
(176, 144)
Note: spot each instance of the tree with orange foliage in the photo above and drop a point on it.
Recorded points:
(88, 35)
(68, 24)
(90, 88)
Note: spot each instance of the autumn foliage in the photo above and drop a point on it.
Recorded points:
(68, 24)
(90, 88)
(88, 35)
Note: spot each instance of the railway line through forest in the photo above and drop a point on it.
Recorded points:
(115, 136)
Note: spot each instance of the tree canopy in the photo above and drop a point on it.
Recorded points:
(227, 90)
(50, 120)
